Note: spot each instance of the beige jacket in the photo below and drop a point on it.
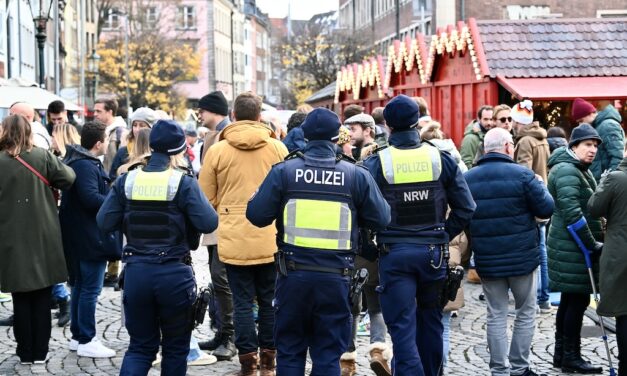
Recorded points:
(232, 171)
(458, 247)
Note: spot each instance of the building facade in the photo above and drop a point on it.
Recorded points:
(257, 41)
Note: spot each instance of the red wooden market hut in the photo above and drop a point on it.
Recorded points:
(465, 66)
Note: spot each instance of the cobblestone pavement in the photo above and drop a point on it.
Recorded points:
(469, 355)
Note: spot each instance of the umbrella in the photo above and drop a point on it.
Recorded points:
(35, 96)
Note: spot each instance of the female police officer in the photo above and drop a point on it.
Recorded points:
(162, 212)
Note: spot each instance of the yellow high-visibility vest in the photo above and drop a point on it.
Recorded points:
(419, 165)
(152, 186)
(317, 224)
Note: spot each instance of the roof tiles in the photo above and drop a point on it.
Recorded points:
(555, 48)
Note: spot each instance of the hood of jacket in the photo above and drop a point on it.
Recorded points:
(474, 128)
(246, 135)
(76, 152)
(565, 155)
(609, 113)
(534, 130)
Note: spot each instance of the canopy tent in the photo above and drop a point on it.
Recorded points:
(35, 96)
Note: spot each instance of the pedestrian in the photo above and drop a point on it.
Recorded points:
(502, 117)
(31, 264)
(141, 152)
(63, 135)
(41, 137)
(213, 112)
(432, 132)
(506, 247)
(142, 118)
(382, 132)
(295, 139)
(610, 201)
(362, 135)
(343, 142)
(163, 212)
(88, 250)
(352, 110)
(556, 137)
(474, 133)
(56, 115)
(412, 266)
(318, 257)
(572, 184)
(232, 170)
(532, 151)
(607, 124)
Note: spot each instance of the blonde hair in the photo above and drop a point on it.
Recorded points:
(16, 135)
(432, 130)
(499, 108)
(179, 161)
(304, 108)
(140, 151)
(65, 134)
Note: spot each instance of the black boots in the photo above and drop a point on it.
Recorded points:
(572, 361)
(222, 346)
(212, 344)
(64, 312)
(558, 352)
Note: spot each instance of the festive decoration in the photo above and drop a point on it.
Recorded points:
(404, 55)
(354, 77)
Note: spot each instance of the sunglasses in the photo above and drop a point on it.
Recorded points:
(505, 119)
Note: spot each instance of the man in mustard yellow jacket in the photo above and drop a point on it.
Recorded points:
(232, 170)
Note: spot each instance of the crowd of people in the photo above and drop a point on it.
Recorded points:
(289, 219)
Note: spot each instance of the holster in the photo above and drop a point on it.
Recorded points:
(279, 263)
(199, 308)
(452, 283)
(358, 280)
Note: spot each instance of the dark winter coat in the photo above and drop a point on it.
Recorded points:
(82, 240)
(504, 233)
(610, 152)
(571, 184)
(31, 251)
(295, 139)
(610, 201)
(556, 142)
(120, 158)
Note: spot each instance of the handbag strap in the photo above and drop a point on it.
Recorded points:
(32, 169)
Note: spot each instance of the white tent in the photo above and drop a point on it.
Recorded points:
(11, 92)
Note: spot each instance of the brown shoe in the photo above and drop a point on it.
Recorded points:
(267, 363)
(379, 355)
(249, 363)
(348, 366)
(473, 277)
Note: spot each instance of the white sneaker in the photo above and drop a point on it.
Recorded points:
(73, 345)
(95, 349)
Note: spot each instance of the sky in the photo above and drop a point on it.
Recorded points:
(300, 9)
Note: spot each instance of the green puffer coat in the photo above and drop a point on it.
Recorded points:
(571, 184)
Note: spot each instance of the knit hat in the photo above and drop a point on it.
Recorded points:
(583, 132)
(581, 109)
(146, 115)
(167, 137)
(321, 124)
(214, 102)
(362, 119)
(401, 112)
(523, 112)
(344, 136)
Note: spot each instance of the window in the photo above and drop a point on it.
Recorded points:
(186, 17)
(113, 20)
(259, 40)
(152, 16)
(611, 13)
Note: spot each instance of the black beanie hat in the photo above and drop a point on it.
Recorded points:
(214, 102)
(583, 132)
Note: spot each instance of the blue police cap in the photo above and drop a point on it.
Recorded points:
(167, 137)
(321, 124)
(401, 112)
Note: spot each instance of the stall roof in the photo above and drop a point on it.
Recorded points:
(327, 92)
(556, 47)
(566, 88)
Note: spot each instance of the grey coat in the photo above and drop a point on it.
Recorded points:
(30, 245)
(610, 201)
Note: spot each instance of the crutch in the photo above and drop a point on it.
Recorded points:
(573, 228)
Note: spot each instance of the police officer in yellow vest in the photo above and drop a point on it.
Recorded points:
(162, 213)
(418, 182)
(319, 200)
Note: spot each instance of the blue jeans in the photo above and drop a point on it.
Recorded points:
(543, 276)
(60, 293)
(85, 292)
(446, 335)
(248, 282)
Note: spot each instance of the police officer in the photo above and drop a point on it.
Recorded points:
(162, 212)
(318, 199)
(418, 182)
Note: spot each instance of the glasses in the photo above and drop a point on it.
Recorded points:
(505, 119)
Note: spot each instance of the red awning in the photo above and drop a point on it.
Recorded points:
(566, 88)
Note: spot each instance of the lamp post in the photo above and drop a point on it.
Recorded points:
(93, 62)
(40, 18)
